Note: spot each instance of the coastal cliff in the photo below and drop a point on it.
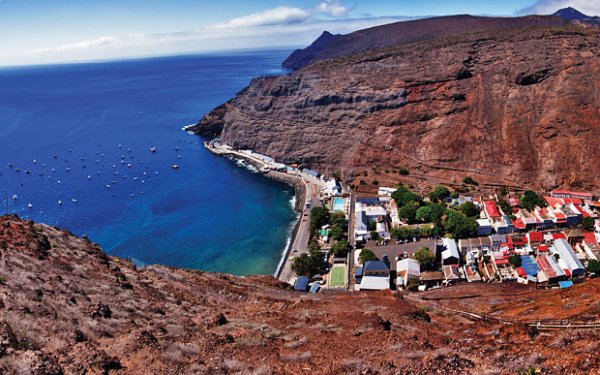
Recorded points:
(512, 104)
(67, 307)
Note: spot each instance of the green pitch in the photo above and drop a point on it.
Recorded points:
(337, 277)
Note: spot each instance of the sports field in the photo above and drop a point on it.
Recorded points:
(337, 276)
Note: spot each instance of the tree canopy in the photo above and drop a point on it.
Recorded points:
(530, 199)
(425, 258)
(469, 209)
(308, 264)
(402, 196)
(367, 255)
(460, 226)
(588, 223)
(439, 193)
(408, 213)
(319, 216)
(340, 248)
(432, 213)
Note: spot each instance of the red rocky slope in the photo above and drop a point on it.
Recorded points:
(515, 107)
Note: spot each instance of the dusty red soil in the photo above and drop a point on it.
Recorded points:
(66, 307)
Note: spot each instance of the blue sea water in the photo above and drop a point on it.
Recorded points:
(63, 124)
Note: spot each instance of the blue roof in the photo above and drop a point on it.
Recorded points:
(565, 284)
(375, 265)
(531, 268)
(301, 283)
(358, 271)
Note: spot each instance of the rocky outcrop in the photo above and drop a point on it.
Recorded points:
(302, 57)
(515, 107)
(69, 312)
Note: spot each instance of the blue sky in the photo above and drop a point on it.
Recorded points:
(50, 31)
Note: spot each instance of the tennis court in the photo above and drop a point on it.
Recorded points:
(337, 276)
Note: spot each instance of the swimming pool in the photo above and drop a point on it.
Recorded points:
(338, 204)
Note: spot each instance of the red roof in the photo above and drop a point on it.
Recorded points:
(521, 272)
(558, 236)
(581, 211)
(553, 202)
(542, 248)
(567, 272)
(560, 215)
(546, 267)
(589, 238)
(519, 224)
(573, 200)
(501, 262)
(491, 209)
(536, 237)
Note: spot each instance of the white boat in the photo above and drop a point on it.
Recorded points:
(152, 149)
(15, 197)
(74, 200)
(174, 166)
(29, 205)
(60, 203)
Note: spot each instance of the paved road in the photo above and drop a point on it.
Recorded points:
(300, 243)
(352, 240)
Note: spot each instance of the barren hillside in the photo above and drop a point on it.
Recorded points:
(66, 307)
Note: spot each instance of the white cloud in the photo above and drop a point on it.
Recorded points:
(277, 27)
(86, 44)
(270, 17)
(332, 8)
(589, 7)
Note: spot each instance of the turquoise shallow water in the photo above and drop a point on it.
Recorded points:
(63, 126)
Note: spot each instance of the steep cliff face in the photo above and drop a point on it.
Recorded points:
(515, 107)
(68, 308)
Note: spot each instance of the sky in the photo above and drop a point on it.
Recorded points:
(54, 31)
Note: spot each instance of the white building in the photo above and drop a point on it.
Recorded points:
(449, 252)
(407, 269)
(567, 258)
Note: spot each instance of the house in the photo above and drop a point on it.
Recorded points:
(431, 279)
(386, 191)
(484, 227)
(535, 238)
(331, 188)
(376, 276)
(407, 269)
(567, 259)
(361, 224)
(574, 236)
(448, 251)
(571, 194)
(451, 273)
(549, 272)
(491, 210)
(301, 283)
(477, 245)
(497, 240)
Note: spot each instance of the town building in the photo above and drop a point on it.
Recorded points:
(447, 250)
(375, 276)
(484, 227)
(407, 269)
(567, 259)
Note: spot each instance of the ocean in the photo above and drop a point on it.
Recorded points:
(82, 134)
